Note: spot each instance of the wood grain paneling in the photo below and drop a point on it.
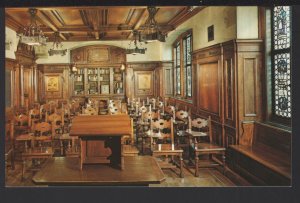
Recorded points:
(137, 69)
(95, 55)
(250, 72)
(144, 83)
(209, 87)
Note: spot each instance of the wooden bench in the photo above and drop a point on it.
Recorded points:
(267, 159)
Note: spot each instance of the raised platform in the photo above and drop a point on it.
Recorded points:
(139, 170)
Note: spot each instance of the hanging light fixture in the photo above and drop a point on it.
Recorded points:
(151, 31)
(57, 46)
(32, 35)
(136, 49)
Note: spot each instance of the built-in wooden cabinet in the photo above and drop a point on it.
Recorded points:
(99, 71)
(104, 81)
(226, 86)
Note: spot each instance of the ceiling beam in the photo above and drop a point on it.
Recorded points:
(44, 19)
(12, 23)
(108, 28)
(142, 18)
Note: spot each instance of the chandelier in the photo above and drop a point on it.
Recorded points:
(151, 31)
(136, 49)
(57, 46)
(32, 35)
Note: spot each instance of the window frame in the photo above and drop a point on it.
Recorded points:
(183, 91)
(270, 70)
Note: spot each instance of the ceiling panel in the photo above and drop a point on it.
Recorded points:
(90, 23)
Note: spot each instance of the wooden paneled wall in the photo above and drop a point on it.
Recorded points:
(23, 77)
(143, 79)
(227, 86)
(98, 55)
(64, 85)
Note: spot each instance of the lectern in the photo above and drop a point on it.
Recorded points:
(100, 138)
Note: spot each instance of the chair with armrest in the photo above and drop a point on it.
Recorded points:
(9, 145)
(202, 129)
(164, 146)
(43, 134)
(128, 147)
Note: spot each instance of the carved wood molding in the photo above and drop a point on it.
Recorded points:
(98, 55)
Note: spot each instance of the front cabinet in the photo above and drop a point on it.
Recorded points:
(104, 81)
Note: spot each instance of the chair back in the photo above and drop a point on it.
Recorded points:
(182, 115)
(113, 110)
(22, 120)
(90, 111)
(34, 117)
(9, 135)
(202, 125)
(165, 127)
(42, 128)
(44, 109)
(170, 110)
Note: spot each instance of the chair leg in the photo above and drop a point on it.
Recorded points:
(23, 169)
(196, 165)
(181, 167)
(223, 160)
(12, 161)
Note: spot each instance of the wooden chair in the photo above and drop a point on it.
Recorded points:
(43, 134)
(103, 107)
(9, 145)
(170, 110)
(208, 147)
(34, 117)
(57, 123)
(44, 110)
(89, 111)
(75, 108)
(22, 124)
(165, 147)
(128, 147)
(23, 135)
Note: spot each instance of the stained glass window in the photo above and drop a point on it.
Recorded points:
(183, 65)
(281, 27)
(282, 85)
(281, 61)
(177, 69)
(187, 65)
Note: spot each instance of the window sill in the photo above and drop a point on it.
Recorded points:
(190, 101)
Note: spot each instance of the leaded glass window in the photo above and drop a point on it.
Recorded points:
(281, 58)
(182, 49)
(187, 65)
(281, 27)
(177, 69)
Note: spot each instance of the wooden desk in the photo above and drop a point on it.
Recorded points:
(100, 138)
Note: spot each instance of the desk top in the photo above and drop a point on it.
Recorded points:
(101, 125)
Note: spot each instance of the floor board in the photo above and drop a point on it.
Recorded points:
(209, 177)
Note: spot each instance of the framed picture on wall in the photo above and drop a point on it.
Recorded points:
(52, 83)
(143, 83)
(210, 33)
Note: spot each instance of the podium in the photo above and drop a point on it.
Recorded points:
(100, 138)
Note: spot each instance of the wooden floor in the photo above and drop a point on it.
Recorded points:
(207, 178)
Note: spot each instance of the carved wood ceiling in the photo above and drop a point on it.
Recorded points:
(98, 23)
